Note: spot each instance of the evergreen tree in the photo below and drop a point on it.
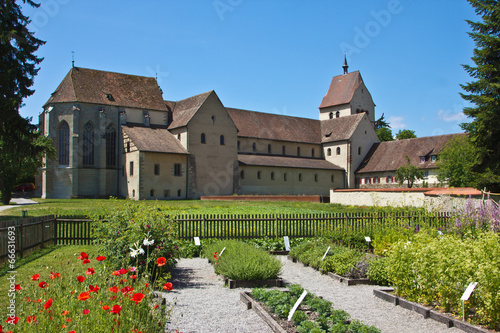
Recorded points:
(19, 139)
(484, 93)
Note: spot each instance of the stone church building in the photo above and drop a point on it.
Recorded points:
(115, 135)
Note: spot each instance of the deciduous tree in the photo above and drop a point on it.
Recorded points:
(456, 161)
(405, 134)
(408, 173)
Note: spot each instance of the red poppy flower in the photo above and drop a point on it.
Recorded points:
(48, 304)
(35, 277)
(73, 331)
(43, 284)
(69, 320)
(12, 320)
(100, 258)
(137, 297)
(86, 311)
(94, 289)
(83, 256)
(64, 313)
(17, 287)
(86, 261)
(127, 290)
(133, 277)
(114, 289)
(116, 309)
(115, 273)
(84, 296)
(161, 261)
(30, 319)
(147, 285)
(80, 278)
(105, 307)
(90, 271)
(55, 275)
(123, 271)
(156, 306)
(168, 286)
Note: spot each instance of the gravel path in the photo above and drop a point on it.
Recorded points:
(203, 304)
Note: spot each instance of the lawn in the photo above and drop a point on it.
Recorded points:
(89, 206)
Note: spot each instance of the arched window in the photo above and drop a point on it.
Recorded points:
(337, 114)
(269, 149)
(222, 140)
(298, 151)
(63, 143)
(272, 175)
(316, 177)
(203, 139)
(338, 150)
(258, 174)
(359, 150)
(88, 144)
(111, 146)
(312, 152)
(329, 152)
(283, 150)
(300, 177)
(285, 178)
(332, 178)
(331, 115)
(254, 147)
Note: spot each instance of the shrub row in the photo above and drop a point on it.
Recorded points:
(326, 319)
(241, 261)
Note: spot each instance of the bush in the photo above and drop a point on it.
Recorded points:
(377, 271)
(341, 262)
(241, 261)
(136, 235)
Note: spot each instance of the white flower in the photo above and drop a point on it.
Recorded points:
(148, 242)
(136, 251)
(141, 251)
(133, 252)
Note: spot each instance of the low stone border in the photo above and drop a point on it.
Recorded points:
(341, 279)
(253, 283)
(386, 295)
(279, 253)
(252, 304)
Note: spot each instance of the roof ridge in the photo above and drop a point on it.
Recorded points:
(269, 113)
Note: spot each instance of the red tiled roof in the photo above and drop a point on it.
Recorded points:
(262, 125)
(341, 89)
(454, 191)
(338, 129)
(108, 88)
(427, 191)
(153, 139)
(185, 109)
(286, 162)
(390, 155)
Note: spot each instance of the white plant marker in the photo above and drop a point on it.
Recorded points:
(368, 239)
(466, 296)
(287, 243)
(197, 241)
(221, 251)
(292, 311)
(324, 256)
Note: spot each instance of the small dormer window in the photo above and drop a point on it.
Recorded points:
(422, 159)
(433, 158)
(109, 97)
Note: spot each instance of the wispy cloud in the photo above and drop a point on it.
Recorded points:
(450, 116)
(396, 122)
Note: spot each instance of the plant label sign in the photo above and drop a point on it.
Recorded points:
(468, 291)
(287, 243)
(197, 241)
(368, 239)
(324, 256)
(222, 251)
(301, 298)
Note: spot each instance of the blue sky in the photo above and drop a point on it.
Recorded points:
(268, 55)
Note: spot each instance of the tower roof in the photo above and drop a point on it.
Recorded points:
(342, 89)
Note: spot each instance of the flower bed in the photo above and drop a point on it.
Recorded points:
(313, 315)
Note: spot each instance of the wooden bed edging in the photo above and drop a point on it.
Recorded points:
(252, 304)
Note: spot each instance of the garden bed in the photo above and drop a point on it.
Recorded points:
(253, 283)
(276, 324)
(387, 295)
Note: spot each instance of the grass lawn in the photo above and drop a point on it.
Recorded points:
(86, 206)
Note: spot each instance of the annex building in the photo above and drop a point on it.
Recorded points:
(115, 135)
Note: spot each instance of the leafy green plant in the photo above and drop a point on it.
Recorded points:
(377, 271)
(241, 261)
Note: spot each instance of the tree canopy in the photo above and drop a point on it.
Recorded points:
(384, 134)
(484, 93)
(405, 134)
(21, 148)
(456, 161)
(408, 173)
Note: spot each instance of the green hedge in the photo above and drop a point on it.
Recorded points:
(242, 261)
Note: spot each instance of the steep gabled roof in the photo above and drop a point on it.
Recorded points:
(109, 88)
(185, 109)
(153, 139)
(390, 155)
(338, 129)
(341, 89)
(286, 162)
(262, 125)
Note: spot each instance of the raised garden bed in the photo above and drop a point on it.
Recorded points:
(253, 283)
(386, 295)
